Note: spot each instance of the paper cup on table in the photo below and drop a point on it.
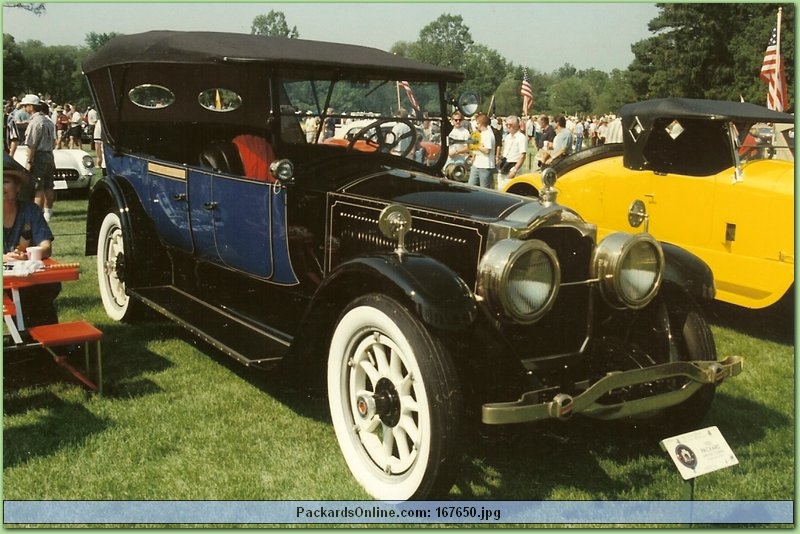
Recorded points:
(34, 253)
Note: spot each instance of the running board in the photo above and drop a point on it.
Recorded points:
(220, 328)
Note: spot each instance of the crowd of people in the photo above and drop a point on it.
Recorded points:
(71, 123)
(44, 126)
(499, 148)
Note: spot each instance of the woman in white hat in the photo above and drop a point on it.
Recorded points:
(24, 226)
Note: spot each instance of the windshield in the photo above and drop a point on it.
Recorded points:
(765, 141)
(391, 117)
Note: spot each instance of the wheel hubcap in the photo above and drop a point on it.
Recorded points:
(385, 403)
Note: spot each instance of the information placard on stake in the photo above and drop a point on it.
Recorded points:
(699, 452)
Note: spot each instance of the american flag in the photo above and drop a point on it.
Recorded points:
(526, 91)
(774, 74)
(407, 87)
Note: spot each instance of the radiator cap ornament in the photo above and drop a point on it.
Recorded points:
(395, 222)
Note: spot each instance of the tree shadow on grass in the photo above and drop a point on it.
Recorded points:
(35, 388)
(125, 357)
(59, 424)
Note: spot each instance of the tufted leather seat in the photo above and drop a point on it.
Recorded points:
(245, 155)
(223, 157)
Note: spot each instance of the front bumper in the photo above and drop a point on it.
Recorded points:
(529, 408)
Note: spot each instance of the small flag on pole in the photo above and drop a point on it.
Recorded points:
(526, 91)
(407, 88)
(773, 72)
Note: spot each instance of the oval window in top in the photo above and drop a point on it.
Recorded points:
(219, 99)
(151, 96)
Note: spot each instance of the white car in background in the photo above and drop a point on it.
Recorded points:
(74, 167)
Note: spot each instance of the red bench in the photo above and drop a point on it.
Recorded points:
(73, 333)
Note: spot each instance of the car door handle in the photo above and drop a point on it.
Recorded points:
(650, 196)
(209, 206)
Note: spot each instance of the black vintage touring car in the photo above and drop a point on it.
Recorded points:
(422, 300)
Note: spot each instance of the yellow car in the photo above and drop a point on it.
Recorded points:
(713, 177)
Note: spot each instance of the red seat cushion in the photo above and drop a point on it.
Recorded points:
(257, 155)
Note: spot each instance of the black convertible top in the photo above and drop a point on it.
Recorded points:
(678, 108)
(649, 146)
(217, 47)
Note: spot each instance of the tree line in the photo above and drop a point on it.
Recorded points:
(707, 50)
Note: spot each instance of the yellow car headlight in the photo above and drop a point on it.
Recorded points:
(519, 279)
(629, 269)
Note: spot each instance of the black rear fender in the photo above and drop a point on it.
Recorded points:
(145, 255)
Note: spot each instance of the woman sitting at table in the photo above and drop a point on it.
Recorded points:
(24, 226)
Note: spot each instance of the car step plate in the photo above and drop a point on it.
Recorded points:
(223, 330)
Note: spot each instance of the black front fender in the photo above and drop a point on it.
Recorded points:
(688, 271)
(434, 291)
(145, 256)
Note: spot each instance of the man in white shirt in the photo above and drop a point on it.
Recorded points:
(40, 136)
(515, 150)
(458, 140)
(483, 156)
(614, 131)
(402, 136)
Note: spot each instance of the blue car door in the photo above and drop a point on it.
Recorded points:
(241, 223)
(240, 212)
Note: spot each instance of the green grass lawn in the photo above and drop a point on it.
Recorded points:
(180, 421)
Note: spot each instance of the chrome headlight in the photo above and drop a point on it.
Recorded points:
(456, 171)
(519, 279)
(282, 170)
(629, 268)
(87, 161)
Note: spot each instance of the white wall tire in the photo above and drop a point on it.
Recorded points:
(406, 447)
(110, 258)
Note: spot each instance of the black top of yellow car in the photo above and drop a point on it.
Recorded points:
(650, 110)
(651, 142)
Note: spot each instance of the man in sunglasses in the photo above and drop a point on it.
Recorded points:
(458, 140)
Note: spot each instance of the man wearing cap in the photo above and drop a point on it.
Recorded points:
(41, 140)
